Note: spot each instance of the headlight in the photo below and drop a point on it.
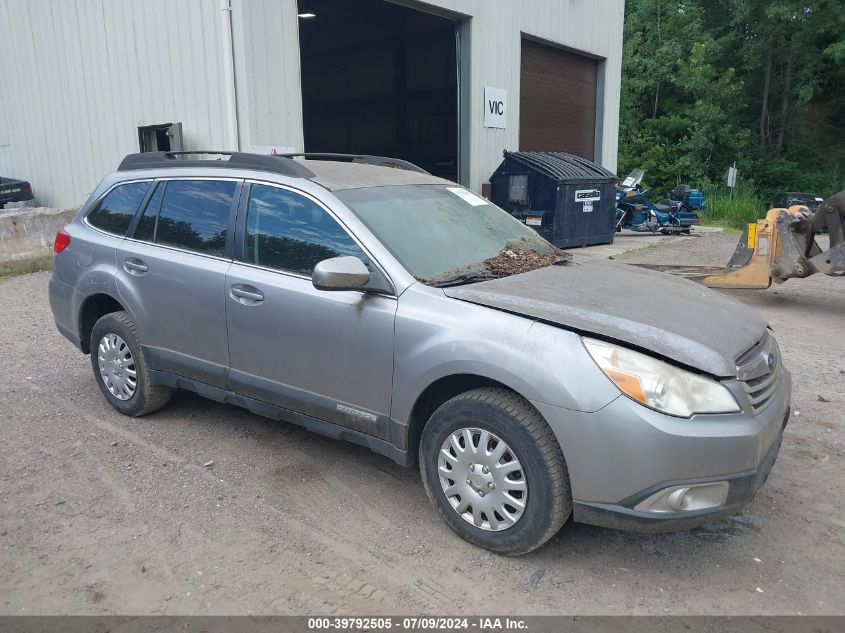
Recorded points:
(660, 385)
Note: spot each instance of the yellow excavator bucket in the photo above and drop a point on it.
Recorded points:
(778, 247)
(756, 253)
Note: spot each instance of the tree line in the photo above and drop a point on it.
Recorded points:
(760, 82)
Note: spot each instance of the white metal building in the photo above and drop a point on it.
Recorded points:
(448, 84)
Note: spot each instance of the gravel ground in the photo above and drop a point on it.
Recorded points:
(100, 513)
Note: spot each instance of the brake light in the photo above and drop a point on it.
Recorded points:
(62, 241)
(696, 221)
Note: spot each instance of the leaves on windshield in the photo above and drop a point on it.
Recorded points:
(513, 260)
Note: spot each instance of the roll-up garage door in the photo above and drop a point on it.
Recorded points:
(557, 103)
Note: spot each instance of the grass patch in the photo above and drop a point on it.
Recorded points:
(736, 211)
(13, 269)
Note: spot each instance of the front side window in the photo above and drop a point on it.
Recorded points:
(290, 232)
(114, 213)
(189, 214)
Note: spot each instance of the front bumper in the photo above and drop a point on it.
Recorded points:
(624, 453)
(623, 516)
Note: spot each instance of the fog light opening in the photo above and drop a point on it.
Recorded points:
(675, 500)
(688, 498)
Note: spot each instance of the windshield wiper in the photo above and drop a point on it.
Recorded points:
(465, 278)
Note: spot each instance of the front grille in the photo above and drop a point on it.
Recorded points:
(759, 372)
(761, 390)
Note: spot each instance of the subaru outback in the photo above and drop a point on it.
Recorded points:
(402, 312)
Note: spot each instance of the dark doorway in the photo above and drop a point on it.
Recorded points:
(379, 78)
(163, 137)
(557, 101)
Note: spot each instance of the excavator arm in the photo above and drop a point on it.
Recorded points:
(778, 247)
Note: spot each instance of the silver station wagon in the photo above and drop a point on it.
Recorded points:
(371, 302)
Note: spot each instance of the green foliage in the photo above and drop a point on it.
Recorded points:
(760, 82)
(737, 210)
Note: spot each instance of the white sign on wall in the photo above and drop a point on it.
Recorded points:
(495, 107)
(271, 149)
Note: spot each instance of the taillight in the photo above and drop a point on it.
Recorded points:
(696, 221)
(62, 241)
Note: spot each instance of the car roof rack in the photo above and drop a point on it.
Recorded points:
(367, 159)
(265, 162)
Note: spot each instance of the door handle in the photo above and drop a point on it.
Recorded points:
(134, 266)
(248, 295)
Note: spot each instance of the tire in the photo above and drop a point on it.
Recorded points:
(509, 418)
(145, 397)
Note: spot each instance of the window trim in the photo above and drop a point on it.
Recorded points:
(100, 198)
(240, 233)
(228, 250)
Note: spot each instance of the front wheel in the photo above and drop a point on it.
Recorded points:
(494, 471)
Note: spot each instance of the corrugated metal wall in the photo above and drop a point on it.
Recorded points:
(266, 34)
(79, 76)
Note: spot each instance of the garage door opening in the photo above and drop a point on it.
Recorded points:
(379, 78)
(557, 102)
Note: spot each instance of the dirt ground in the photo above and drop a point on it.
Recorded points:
(100, 513)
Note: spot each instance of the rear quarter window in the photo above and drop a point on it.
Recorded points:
(114, 213)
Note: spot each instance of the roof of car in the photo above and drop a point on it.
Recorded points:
(332, 171)
(335, 175)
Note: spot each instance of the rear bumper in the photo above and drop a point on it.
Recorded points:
(61, 304)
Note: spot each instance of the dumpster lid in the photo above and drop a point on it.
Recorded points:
(562, 166)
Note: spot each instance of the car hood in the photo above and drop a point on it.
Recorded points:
(668, 316)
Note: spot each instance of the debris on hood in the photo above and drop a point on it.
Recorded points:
(512, 260)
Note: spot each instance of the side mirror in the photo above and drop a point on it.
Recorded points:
(340, 273)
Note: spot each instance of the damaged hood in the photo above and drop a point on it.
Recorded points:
(669, 316)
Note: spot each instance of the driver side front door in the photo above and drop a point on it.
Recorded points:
(326, 354)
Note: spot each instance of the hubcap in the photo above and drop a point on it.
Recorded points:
(482, 479)
(117, 367)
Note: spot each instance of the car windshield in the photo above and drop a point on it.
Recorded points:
(448, 235)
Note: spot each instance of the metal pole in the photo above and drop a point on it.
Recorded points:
(731, 194)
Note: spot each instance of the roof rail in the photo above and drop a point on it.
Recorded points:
(367, 159)
(264, 162)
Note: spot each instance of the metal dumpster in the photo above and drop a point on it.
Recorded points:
(569, 200)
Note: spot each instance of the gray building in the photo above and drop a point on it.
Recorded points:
(447, 84)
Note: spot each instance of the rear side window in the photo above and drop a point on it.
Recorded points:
(289, 232)
(114, 213)
(189, 214)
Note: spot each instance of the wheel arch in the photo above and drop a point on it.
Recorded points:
(439, 392)
(90, 310)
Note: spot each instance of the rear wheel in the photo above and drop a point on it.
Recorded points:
(120, 368)
(494, 471)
